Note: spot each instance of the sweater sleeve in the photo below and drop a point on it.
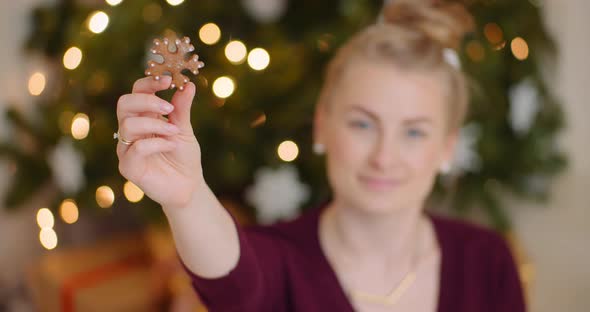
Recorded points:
(256, 283)
(508, 285)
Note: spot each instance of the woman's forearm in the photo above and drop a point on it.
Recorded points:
(205, 235)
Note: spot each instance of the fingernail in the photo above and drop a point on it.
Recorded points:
(172, 128)
(166, 108)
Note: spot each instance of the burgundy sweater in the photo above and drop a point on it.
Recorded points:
(283, 268)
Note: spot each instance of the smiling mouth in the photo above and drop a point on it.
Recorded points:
(379, 183)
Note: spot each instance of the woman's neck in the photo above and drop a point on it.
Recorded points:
(360, 235)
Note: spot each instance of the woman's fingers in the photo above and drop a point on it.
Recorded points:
(183, 101)
(135, 104)
(143, 100)
(136, 128)
(132, 163)
(147, 147)
(150, 85)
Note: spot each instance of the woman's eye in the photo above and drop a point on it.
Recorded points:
(361, 124)
(416, 133)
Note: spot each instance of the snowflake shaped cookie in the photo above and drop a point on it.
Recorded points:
(174, 62)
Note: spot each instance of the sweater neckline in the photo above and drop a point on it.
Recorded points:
(329, 277)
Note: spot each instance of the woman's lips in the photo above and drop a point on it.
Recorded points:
(379, 183)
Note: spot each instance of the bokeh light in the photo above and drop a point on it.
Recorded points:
(97, 82)
(223, 87)
(132, 192)
(114, 2)
(258, 59)
(259, 121)
(48, 238)
(72, 58)
(105, 197)
(210, 33)
(152, 12)
(174, 2)
(80, 126)
(235, 51)
(36, 83)
(493, 33)
(68, 210)
(475, 51)
(98, 22)
(45, 218)
(288, 150)
(520, 49)
(500, 45)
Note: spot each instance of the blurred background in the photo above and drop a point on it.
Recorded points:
(75, 235)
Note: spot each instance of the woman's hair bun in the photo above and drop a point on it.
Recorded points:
(444, 23)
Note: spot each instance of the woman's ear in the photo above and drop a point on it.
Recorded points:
(449, 148)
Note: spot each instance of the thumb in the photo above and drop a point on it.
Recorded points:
(182, 101)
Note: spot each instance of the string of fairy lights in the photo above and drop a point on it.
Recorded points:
(78, 124)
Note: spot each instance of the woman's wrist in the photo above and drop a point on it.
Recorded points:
(197, 198)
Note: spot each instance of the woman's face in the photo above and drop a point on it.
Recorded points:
(385, 133)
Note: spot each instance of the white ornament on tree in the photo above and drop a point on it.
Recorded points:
(265, 11)
(524, 106)
(66, 165)
(277, 194)
(466, 156)
(537, 184)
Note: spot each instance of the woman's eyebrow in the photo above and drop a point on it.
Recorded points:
(415, 120)
(364, 111)
(420, 119)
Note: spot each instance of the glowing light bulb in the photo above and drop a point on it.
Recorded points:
(475, 51)
(114, 2)
(258, 59)
(98, 22)
(132, 192)
(48, 238)
(260, 120)
(36, 83)
(520, 49)
(288, 151)
(105, 197)
(45, 218)
(493, 33)
(235, 51)
(223, 87)
(174, 2)
(72, 58)
(80, 126)
(210, 33)
(68, 211)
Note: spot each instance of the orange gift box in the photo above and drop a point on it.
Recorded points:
(113, 275)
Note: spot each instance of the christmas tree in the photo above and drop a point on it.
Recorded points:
(256, 96)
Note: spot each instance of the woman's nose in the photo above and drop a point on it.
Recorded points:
(385, 153)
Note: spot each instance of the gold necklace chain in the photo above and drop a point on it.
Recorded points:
(392, 297)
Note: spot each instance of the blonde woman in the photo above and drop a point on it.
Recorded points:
(387, 120)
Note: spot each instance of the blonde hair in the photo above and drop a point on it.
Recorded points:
(412, 36)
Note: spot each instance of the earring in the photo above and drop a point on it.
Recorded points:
(445, 168)
(319, 148)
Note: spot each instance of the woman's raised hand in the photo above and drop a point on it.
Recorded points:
(164, 158)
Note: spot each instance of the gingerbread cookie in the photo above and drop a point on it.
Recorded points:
(174, 62)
